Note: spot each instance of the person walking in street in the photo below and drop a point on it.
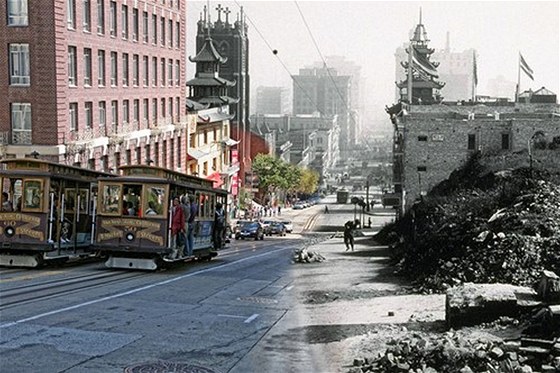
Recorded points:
(177, 229)
(191, 224)
(219, 225)
(349, 227)
(326, 209)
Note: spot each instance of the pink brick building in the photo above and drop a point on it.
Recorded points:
(95, 83)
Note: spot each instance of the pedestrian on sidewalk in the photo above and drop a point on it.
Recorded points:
(326, 209)
(349, 227)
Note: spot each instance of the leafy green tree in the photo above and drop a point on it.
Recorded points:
(309, 181)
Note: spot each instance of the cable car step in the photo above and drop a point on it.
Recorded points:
(132, 263)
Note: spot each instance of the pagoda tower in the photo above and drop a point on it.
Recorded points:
(207, 88)
(421, 72)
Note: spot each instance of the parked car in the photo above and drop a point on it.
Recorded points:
(289, 226)
(238, 225)
(298, 206)
(251, 230)
(266, 225)
(278, 228)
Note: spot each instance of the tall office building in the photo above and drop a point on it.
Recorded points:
(323, 90)
(272, 100)
(94, 83)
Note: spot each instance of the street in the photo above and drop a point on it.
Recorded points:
(249, 310)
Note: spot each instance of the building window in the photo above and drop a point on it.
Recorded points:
(72, 63)
(205, 169)
(102, 114)
(422, 138)
(87, 66)
(114, 115)
(146, 113)
(178, 107)
(17, 13)
(138, 155)
(205, 134)
(178, 35)
(146, 76)
(73, 116)
(114, 75)
(154, 110)
(125, 69)
(170, 23)
(124, 21)
(101, 17)
(89, 114)
(21, 123)
(471, 142)
(170, 108)
(164, 152)
(135, 24)
(172, 153)
(113, 18)
(163, 112)
(128, 156)
(163, 72)
(71, 14)
(101, 68)
(19, 64)
(170, 73)
(421, 168)
(126, 112)
(105, 163)
(154, 71)
(136, 111)
(87, 16)
(145, 27)
(156, 153)
(135, 70)
(148, 153)
(179, 145)
(117, 160)
(162, 30)
(177, 72)
(505, 141)
(154, 29)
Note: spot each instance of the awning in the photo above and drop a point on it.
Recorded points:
(216, 178)
(231, 170)
(195, 154)
(229, 142)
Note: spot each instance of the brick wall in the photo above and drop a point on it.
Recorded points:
(436, 142)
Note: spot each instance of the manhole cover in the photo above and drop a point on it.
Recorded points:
(167, 367)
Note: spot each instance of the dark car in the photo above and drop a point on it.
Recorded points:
(278, 228)
(251, 230)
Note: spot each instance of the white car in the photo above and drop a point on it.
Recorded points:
(289, 226)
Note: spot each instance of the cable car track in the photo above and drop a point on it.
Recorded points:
(55, 288)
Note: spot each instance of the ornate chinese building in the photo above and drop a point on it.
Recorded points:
(421, 78)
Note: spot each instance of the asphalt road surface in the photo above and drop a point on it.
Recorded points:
(218, 316)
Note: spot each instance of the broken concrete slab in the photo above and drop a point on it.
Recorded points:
(471, 304)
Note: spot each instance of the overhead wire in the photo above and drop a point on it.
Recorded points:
(274, 52)
(323, 59)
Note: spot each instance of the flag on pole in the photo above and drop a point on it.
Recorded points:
(422, 64)
(525, 67)
(475, 71)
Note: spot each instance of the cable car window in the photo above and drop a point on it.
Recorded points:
(111, 199)
(83, 200)
(131, 200)
(69, 199)
(32, 195)
(155, 200)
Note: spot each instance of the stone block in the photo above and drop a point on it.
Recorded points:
(471, 304)
(549, 287)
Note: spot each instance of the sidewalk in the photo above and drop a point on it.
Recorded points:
(346, 306)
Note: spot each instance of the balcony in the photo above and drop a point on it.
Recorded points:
(21, 137)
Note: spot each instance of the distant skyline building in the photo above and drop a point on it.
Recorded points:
(322, 90)
(456, 69)
(272, 100)
(350, 68)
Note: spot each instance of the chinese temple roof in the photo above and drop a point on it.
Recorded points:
(208, 53)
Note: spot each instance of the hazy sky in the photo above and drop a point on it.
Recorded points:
(368, 33)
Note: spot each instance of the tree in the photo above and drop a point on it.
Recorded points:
(309, 181)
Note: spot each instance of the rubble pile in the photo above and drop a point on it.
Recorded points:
(454, 352)
(305, 256)
(482, 227)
